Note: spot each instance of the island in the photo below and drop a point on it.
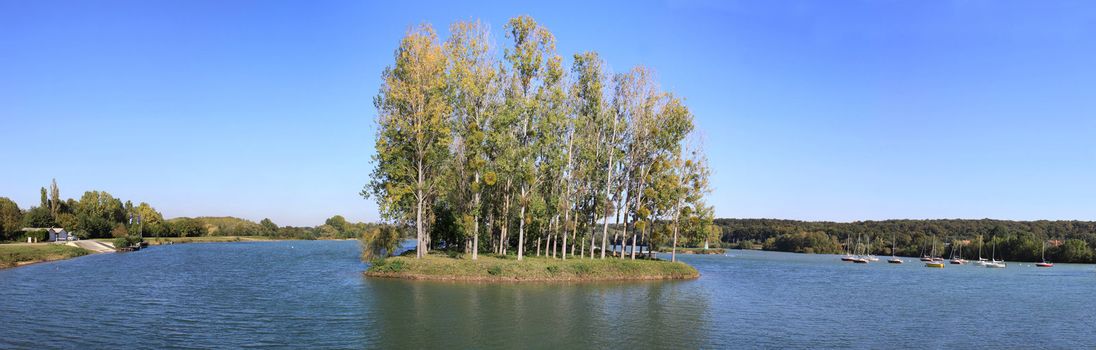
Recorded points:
(511, 163)
(496, 268)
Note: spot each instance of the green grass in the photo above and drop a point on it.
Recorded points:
(12, 255)
(440, 266)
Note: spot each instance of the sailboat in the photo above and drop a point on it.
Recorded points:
(957, 259)
(848, 250)
(981, 261)
(859, 259)
(1044, 263)
(894, 259)
(923, 256)
(867, 252)
(995, 263)
(933, 263)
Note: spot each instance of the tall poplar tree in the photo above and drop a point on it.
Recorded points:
(413, 133)
(473, 90)
(534, 69)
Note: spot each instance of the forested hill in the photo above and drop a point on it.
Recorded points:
(1067, 241)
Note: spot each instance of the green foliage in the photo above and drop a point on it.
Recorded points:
(380, 242)
(186, 227)
(1066, 241)
(37, 235)
(11, 218)
(269, 227)
(39, 217)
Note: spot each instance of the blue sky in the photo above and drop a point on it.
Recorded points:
(816, 110)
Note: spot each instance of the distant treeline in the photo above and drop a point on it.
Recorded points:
(97, 214)
(1066, 241)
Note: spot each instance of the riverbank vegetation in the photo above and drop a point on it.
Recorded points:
(504, 150)
(98, 214)
(1066, 241)
(491, 267)
(12, 255)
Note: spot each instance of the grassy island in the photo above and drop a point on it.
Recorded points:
(501, 269)
(12, 255)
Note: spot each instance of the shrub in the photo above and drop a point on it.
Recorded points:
(494, 270)
(582, 269)
(384, 265)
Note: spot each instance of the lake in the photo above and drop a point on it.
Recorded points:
(311, 294)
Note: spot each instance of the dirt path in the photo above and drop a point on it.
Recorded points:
(94, 246)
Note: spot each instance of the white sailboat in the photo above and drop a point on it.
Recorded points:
(995, 263)
(1045, 263)
(981, 261)
(848, 250)
(894, 259)
(859, 259)
(867, 252)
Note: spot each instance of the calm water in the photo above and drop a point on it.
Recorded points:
(311, 294)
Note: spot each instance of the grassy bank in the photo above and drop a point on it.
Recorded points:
(492, 268)
(694, 250)
(12, 255)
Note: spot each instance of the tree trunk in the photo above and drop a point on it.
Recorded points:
(475, 222)
(419, 248)
(564, 248)
(633, 245)
(673, 252)
(521, 232)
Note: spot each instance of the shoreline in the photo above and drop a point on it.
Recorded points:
(493, 269)
(15, 255)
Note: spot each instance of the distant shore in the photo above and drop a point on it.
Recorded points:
(489, 268)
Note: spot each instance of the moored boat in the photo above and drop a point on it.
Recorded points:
(995, 264)
(934, 262)
(1045, 263)
(894, 243)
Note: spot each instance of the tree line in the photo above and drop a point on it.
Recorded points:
(477, 151)
(1065, 241)
(98, 214)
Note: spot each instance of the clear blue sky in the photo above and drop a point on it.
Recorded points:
(817, 110)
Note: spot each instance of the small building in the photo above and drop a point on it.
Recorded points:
(56, 234)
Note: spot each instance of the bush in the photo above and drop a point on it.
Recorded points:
(494, 270)
(383, 265)
(127, 241)
(40, 235)
(121, 242)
